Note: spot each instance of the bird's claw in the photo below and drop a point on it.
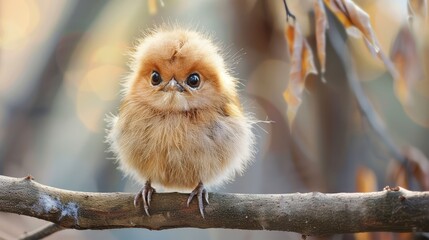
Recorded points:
(145, 194)
(199, 191)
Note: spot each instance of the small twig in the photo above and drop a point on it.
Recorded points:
(42, 232)
(288, 13)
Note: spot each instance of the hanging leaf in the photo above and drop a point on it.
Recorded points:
(406, 59)
(302, 64)
(357, 23)
(418, 166)
(355, 20)
(153, 8)
(321, 26)
(417, 8)
(366, 181)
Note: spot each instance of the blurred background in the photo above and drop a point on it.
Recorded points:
(61, 63)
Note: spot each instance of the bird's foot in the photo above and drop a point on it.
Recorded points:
(199, 191)
(144, 194)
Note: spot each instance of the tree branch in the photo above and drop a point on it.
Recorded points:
(365, 106)
(395, 210)
(42, 232)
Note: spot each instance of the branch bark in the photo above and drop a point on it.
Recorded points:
(393, 209)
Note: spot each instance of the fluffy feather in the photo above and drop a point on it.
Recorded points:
(177, 139)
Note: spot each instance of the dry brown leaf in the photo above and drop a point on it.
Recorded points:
(366, 180)
(321, 26)
(378, 236)
(406, 59)
(405, 236)
(357, 23)
(418, 166)
(153, 8)
(397, 174)
(417, 8)
(355, 20)
(362, 236)
(302, 64)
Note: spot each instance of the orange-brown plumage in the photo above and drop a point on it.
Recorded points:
(180, 122)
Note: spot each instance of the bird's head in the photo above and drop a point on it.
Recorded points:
(179, 70)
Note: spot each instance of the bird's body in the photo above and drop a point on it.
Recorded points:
(178, 150)
(180, 123)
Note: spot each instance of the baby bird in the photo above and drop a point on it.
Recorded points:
(180, 123)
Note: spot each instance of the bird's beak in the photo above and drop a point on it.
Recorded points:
(173, 85)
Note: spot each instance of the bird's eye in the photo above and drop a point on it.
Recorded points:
(155, 78)
(193, 80)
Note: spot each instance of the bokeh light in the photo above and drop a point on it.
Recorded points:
(20, 19)
(99, 85)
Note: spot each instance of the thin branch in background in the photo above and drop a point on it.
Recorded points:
(42, 232)
(288, 13)
(364, 105)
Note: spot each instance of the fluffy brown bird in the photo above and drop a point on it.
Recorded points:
(180, 124)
